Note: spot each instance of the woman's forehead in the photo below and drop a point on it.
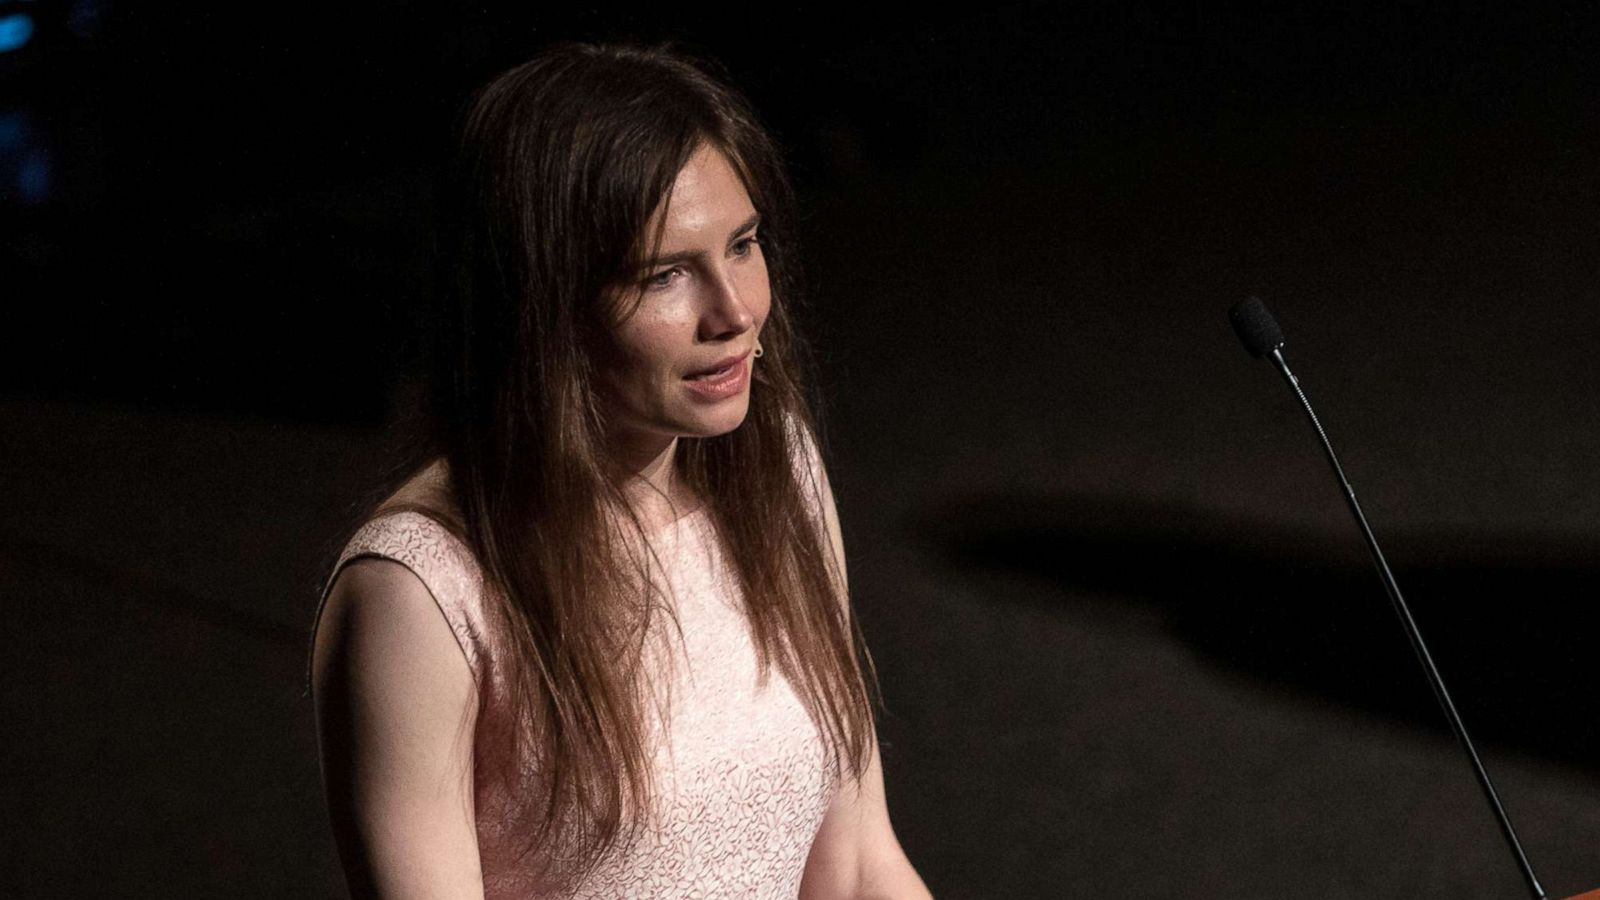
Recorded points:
(707, 199)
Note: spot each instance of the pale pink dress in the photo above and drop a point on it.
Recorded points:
(741, 774)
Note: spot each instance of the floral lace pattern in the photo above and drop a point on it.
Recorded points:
(742, 779)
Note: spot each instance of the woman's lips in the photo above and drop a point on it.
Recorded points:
(719, 367)
(724, 382)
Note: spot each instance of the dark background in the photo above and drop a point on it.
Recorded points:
(1130, 644)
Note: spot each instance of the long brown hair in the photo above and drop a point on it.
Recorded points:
(561, 162)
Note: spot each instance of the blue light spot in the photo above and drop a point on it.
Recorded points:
(13, 128)
(15, 30)
(27, 170)
(33, 178)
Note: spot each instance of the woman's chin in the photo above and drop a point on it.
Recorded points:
(714, 423)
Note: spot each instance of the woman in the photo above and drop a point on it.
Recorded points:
(598, 643)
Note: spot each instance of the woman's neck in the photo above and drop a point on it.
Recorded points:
(656, 468)
(653, 488)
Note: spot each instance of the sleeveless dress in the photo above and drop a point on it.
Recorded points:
(741, 777)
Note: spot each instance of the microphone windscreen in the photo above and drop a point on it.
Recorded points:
(1256, 328)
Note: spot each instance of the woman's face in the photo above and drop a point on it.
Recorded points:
(702, 300)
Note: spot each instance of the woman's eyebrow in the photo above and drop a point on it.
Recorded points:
(668, 259)
(748, 225)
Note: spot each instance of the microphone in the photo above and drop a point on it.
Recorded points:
(1256, 328)
(1260, 334)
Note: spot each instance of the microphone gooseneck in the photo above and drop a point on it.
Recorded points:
(1261, 336)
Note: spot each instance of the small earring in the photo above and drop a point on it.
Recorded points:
(759, 352)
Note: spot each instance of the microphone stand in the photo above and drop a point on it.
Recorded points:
(1417, 644)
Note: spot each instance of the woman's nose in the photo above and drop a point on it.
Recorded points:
(726, 312)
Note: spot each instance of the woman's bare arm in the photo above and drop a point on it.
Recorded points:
(856, 854)
(395, 705)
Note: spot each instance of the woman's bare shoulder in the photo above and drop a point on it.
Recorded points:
(395, 706)
(385, 606)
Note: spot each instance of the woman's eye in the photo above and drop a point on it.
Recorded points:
(743, 247)
(661, 279)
